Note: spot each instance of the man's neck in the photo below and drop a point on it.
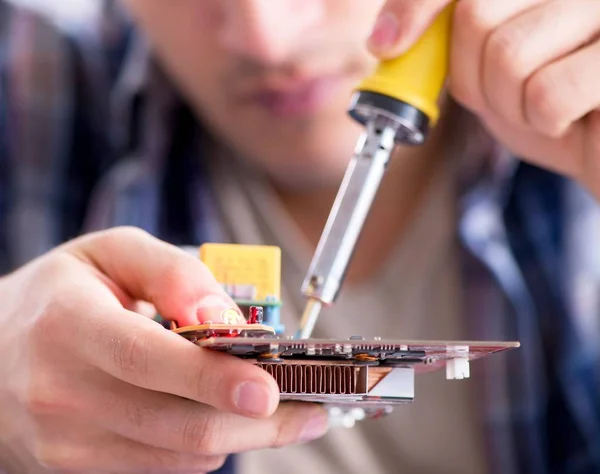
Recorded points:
(399, 196)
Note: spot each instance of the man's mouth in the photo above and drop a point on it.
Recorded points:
(298, 98)
(302, 89)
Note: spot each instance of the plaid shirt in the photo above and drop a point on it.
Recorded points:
(529, 238)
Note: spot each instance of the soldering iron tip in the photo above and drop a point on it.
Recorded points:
(309, 318)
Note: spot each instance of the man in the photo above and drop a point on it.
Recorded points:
(225, 121)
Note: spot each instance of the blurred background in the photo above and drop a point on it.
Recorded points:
(66, 12)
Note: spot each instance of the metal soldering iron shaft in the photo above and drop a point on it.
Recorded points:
(345, 222)
(309, 318)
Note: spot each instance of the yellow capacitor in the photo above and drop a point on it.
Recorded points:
(414, 79)
(245, 267)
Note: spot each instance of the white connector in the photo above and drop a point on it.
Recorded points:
(458, 368)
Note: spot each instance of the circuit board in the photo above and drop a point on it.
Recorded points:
(424, 356)
(353, 377)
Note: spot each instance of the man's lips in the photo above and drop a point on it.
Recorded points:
(298, 98)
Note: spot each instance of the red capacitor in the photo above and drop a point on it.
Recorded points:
(255, 315)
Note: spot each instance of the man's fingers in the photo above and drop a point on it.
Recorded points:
(474, 22)
(63, 446)
(177, 424)
(401, 23)
(144, 308)
(179, 285)
(563, 92)
(141, 352)
(87, 323)
(66, 446)
(529, 42)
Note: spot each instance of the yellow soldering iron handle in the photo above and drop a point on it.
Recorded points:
(412, 83)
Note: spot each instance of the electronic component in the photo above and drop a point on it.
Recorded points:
(354, 378)
(255, 315)
(201, 332)
(250, 275)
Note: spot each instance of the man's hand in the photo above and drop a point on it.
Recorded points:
(528, 68)
(89, 385)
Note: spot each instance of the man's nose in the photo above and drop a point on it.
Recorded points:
(268, 31)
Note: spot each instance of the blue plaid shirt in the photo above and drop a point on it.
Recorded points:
(92, 136)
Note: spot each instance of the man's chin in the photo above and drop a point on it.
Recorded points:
(307, 179)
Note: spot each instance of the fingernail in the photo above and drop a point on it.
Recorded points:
(253, 398)
(386, 32)
(214, 308)
(315, 428)
(232, 316)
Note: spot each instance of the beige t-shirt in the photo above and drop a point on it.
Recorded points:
(416, 296)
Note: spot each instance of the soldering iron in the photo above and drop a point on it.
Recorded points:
(398, 104)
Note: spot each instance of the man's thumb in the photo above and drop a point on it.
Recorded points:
(401, 23)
